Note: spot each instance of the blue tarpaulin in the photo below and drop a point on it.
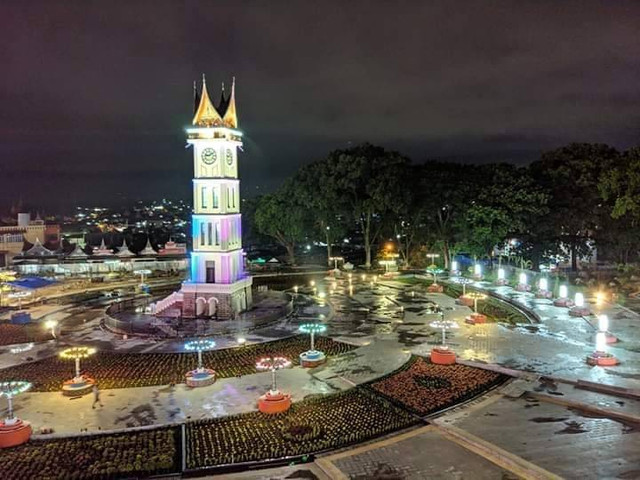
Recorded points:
(32, 282)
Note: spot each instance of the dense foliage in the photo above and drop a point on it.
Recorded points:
(563, 206)
(124, 370)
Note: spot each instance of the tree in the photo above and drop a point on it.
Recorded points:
(280, 216)
(368, 183)
(507, 204)
(571, 176)
(321, 203)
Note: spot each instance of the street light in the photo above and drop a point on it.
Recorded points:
(10, 390)
(273, 364)
(433, 256)
(51, 325)
(475, 296)
(77, 353)
(444, 325)
(312, 329)
(199, 346)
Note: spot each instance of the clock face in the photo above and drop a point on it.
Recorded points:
(229, 157)
(209, 156)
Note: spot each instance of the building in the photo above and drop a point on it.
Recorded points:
(218, 285)
(13, 237)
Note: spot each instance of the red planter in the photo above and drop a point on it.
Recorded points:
(443, 356)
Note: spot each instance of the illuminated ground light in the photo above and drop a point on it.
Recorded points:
(80, 384)
(601, 357)
(13, 431)
(523, 283)
(274, 401)
(543, 288)
(201, 376)
(502, 277)
(563, 299)
(580, 309)
(312, 357)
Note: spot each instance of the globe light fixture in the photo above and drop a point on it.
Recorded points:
(79, 384)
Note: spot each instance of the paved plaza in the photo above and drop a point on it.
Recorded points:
(542, 428)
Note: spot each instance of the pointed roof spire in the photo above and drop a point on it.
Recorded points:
(230, 118)
(196, 97)
(222, 106)
(206, 114)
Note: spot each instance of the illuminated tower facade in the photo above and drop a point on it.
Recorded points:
(218, 286)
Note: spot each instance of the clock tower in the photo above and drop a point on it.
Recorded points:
(218, 286)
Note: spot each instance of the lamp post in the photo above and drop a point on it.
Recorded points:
(434, 287)
(201, 376)
(476, 317)
(502, 277)
(51, 325)
(432, 257)
(273, 364)
(312, 357)
(79, 384)
(10, 390)
(442, 354)
(335, 261)
(563, 299)
(13, 431)
(274, 401)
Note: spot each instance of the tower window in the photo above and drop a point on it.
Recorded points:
(202, 234)
(214, 195)
(209, 232)
(203, 197)
(217, 234)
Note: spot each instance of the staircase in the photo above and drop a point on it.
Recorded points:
(170, 306)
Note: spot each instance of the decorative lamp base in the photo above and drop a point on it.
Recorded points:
(78, 386)
(601, 359)
(579, 312)
(312, 358)
(435, 288)
(274, 402)
(443, 356)
(501, 282)
(543, 294)
(611, 338)
(521, 287)
(200, 378)
(477, 277)
(466, 301)
(475, 318)
(563, 302)
(14, 432)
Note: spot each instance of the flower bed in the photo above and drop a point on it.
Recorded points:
(425, 387)
(125, 370)
(123, 455)
(11, 334)
(309, 426)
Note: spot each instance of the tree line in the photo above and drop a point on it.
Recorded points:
(571, 201)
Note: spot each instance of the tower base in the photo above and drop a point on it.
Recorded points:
(209, 300)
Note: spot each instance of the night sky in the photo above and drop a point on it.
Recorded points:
(94, 96)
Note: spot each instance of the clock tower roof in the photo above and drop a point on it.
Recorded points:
(206, 114)
(230, 118)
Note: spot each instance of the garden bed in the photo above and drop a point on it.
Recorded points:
(495, 310)
(313, 425)
(126, 370)
(122, 455)
(425, 388)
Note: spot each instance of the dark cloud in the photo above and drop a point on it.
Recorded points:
(94, 95)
